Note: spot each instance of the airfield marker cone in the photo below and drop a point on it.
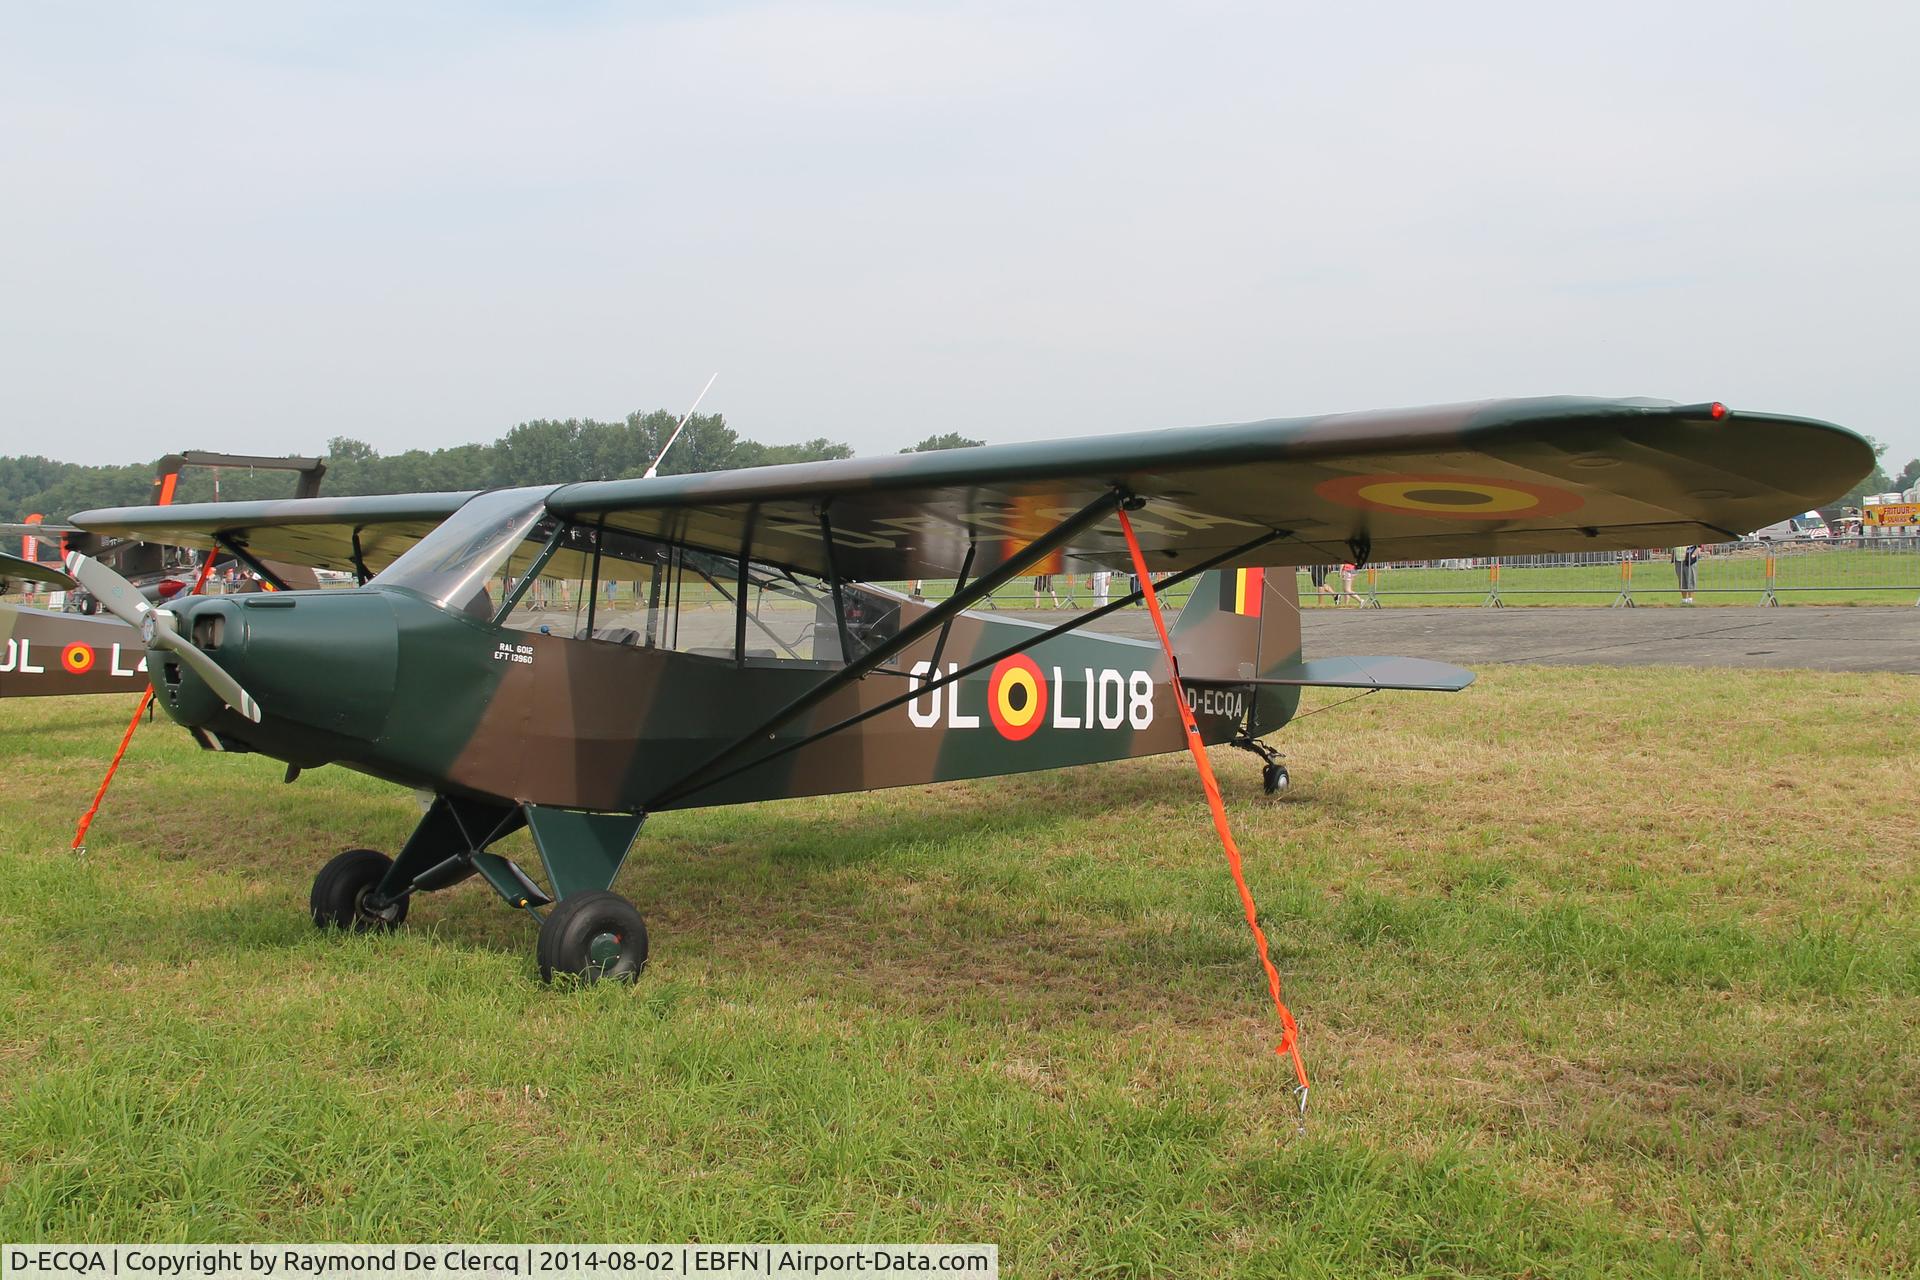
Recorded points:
(1290, 1032)
(146, 700)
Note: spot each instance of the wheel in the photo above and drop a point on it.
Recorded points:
(1274, 778)
(594, 936)
(340, 893)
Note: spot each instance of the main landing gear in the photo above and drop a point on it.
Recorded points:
(596, 937)
(340, 892)
(591, 933)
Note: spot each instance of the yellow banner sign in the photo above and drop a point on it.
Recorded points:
(1891, 513)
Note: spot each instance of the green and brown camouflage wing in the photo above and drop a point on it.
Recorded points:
(1502, 477)
(1494, 478)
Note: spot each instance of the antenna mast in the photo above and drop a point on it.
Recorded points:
(684, 419)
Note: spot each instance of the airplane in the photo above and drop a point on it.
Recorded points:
(43, 652)
(66, 648)
(160, 570)
(573, 658)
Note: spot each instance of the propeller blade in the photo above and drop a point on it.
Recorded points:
(116, 595)
(159, 627)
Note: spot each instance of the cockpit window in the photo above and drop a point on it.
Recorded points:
(451, 566)
(503, 559)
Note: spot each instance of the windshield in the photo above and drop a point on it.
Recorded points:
(451, 565)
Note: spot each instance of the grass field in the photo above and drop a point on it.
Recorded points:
(1599, 972)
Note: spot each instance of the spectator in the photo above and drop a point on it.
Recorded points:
(1686, 567)
(1102, 579)
(1318, 573)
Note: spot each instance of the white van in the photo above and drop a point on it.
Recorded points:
(1794, 528)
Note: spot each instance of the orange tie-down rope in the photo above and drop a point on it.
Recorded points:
(146, 700)
(1290, 1032)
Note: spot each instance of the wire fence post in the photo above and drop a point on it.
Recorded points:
(1373, 588)
(1769, 599)
(1493, 600)
(1625, 599)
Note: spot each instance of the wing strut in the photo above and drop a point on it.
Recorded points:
(1290, 1033)
(953, 677)
(237, 549)
(940, 644)
(932, 620)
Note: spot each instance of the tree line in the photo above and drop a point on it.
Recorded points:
(545, 451)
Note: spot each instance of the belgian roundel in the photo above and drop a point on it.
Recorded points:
(77, 658)
(1016, 697)
(1450, 497)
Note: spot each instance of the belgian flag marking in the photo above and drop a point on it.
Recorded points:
(77, 658)
(1240, 591)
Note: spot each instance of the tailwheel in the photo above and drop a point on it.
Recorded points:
(596, 936)
(1274, 778)
(343, 894)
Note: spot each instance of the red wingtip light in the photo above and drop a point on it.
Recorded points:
(1716, 410)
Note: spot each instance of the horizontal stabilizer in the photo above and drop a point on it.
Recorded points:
(1360, 673)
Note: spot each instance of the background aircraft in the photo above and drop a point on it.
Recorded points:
(571, 658)
(66, 648)
(157, 568)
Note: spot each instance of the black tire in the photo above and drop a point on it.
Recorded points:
(341, 888)
(595, 937)
(1274, 778)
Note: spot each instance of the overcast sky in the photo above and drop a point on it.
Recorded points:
(252, 227)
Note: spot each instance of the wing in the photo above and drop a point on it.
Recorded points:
(1495, 478)
(1501, 477)
(47, 535)
(33, 571)
(317, 532)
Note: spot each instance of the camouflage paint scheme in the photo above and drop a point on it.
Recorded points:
(1609, 474)
(580, 738)
(381, 680)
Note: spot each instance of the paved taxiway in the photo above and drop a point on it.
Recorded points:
(1846, 639)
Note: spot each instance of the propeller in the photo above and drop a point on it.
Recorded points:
(160, 628)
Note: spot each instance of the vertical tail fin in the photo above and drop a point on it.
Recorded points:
(1242, 624)
(166, 479)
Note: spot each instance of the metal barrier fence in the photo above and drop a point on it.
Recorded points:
(1069, 590)
(1812, 571)
(1875, 570)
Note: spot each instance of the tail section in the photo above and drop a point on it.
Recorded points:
(1244, 624)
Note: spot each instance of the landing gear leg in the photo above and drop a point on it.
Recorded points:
(1273, 775)
(593, 934)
